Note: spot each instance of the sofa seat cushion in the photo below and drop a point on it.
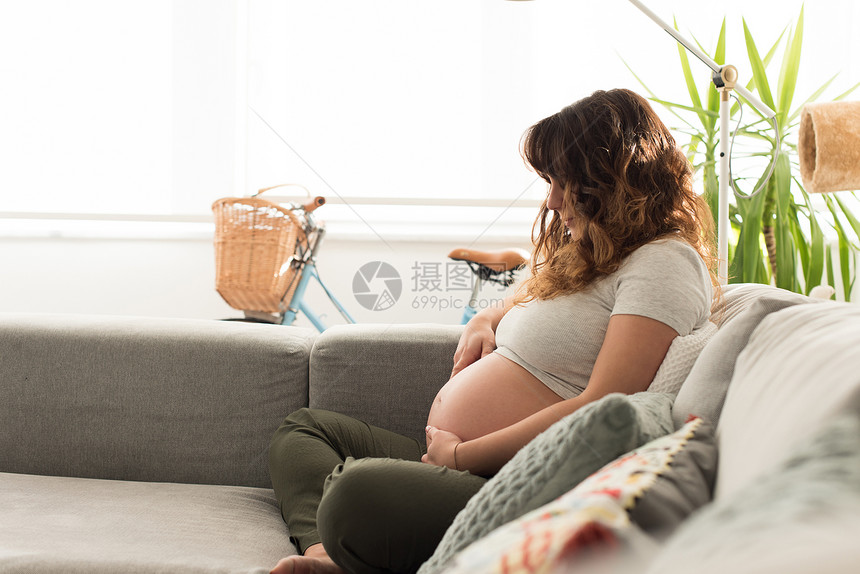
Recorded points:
(57, 524)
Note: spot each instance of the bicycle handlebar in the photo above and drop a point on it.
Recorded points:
(314, 203)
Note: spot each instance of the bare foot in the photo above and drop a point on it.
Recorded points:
(314, 561)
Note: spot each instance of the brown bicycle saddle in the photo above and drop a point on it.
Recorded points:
(498, 261)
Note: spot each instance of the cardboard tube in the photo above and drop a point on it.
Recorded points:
(829, 146)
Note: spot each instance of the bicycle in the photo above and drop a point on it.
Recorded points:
(266, 256)
(497, 267)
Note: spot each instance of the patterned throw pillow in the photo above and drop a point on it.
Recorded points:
(639, 492)
(554, 462)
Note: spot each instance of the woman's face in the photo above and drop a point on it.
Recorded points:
(555, 202)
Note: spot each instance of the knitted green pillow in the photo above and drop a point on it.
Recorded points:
(554, 462)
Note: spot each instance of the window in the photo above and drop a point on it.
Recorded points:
(160, 107)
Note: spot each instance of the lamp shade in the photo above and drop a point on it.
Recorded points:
(829, 146)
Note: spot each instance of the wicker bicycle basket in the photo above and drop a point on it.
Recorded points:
(256, 244)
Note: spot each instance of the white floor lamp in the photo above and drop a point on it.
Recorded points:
(725, 79)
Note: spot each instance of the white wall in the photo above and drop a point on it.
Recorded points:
(171, 274)
(175, 278)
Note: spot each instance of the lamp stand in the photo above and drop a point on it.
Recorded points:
(725, 82)
(725, 79)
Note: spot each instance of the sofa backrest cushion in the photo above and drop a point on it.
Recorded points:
(738, 297)
(168, 400)
(385, 375)
(744, 307)
(803, 515)
(799, 368)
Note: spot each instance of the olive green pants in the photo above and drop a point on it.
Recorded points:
(363, 492)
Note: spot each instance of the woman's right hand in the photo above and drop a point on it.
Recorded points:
(479, 338)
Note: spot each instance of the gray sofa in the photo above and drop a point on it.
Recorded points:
(139, 445)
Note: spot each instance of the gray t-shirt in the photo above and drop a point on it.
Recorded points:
(557, 340)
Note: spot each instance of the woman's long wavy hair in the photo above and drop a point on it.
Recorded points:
(625, 182)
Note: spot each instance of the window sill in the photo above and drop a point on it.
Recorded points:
(353, 222)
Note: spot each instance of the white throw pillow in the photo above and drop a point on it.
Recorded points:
(679, 360)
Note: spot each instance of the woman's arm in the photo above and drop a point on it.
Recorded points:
(632, 351)
(479, 337)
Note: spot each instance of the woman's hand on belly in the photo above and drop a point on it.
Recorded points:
(441, 448)
(490, 394)
(477, 341)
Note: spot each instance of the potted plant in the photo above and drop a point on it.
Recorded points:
(778, 235)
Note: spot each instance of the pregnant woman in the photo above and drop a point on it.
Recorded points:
(620, 268)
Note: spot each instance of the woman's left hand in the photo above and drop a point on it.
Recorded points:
(441, 448)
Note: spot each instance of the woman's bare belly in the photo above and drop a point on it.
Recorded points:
(490, 394)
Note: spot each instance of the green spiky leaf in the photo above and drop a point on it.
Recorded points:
(691, 82)
(788, 72)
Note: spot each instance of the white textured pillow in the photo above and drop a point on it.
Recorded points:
(680, 358)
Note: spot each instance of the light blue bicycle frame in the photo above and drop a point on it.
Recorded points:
(308, 271)
(471, 309)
